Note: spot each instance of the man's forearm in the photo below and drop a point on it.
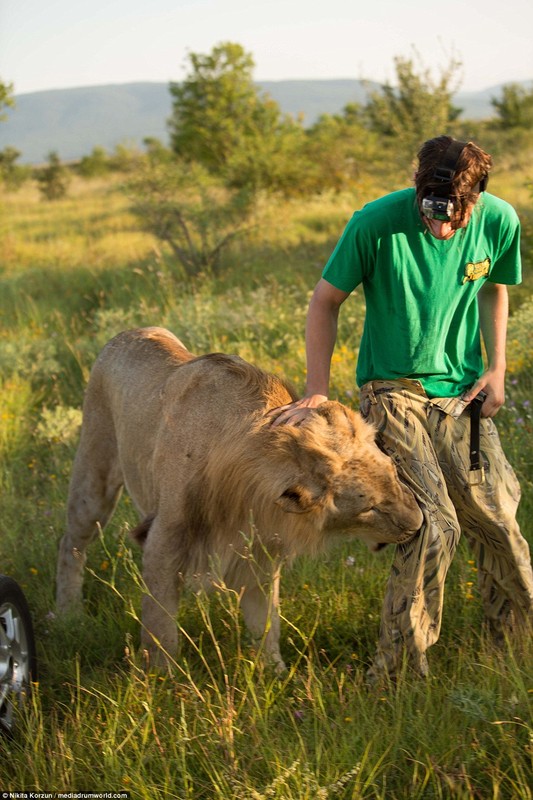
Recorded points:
(320, 337)
(493, 305)
(493, 315)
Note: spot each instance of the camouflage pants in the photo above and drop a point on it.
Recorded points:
(429, 440)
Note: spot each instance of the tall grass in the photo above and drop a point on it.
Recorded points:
(222, 725)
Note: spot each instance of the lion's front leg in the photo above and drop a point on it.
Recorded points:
(163, 582)
(260, 609)
(95, 488)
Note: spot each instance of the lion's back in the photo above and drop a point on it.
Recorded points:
(167, 409)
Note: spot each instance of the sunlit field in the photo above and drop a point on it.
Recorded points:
(75, 272)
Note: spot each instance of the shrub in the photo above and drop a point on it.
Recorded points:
(53, 180)
(190, 210)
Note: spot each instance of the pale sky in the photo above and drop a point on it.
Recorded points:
(54, 44)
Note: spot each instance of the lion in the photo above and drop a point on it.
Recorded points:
(222, 495)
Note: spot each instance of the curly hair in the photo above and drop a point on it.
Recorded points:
(473, 165)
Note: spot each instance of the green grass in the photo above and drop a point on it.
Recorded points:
(74, 273)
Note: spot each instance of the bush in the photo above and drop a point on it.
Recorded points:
(190, 210)
(53, 180)
(94, 165)
(12, 175)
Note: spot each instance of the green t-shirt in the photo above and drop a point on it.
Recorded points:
(422, 317)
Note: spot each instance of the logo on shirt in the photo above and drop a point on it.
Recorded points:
(475, 270)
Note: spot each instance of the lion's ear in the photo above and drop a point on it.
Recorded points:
(297, 500)
(300, 470)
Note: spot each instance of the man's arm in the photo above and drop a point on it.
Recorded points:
(493, 302)
(320, 338)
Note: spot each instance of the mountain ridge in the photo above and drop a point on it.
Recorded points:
(73, 121)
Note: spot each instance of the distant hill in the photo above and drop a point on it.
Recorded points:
(73, 121)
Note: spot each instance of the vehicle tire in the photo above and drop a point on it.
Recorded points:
(17, 651)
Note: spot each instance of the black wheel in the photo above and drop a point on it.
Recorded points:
(17, 650)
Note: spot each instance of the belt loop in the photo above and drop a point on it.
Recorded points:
(369, 388)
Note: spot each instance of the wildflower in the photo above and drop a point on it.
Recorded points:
(34, 571)
(104, 565)
(350, 561)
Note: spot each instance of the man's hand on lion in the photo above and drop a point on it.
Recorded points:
(295, 413)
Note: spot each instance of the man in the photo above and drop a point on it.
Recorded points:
(434, 262)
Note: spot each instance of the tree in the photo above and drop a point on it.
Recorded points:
(515, 107)
(53, 180)
(339, 150)
(220, 120)
(96, 164)
(157, 151)
(419, 107)
(125, 157)
(11, 174)
(6, 97)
